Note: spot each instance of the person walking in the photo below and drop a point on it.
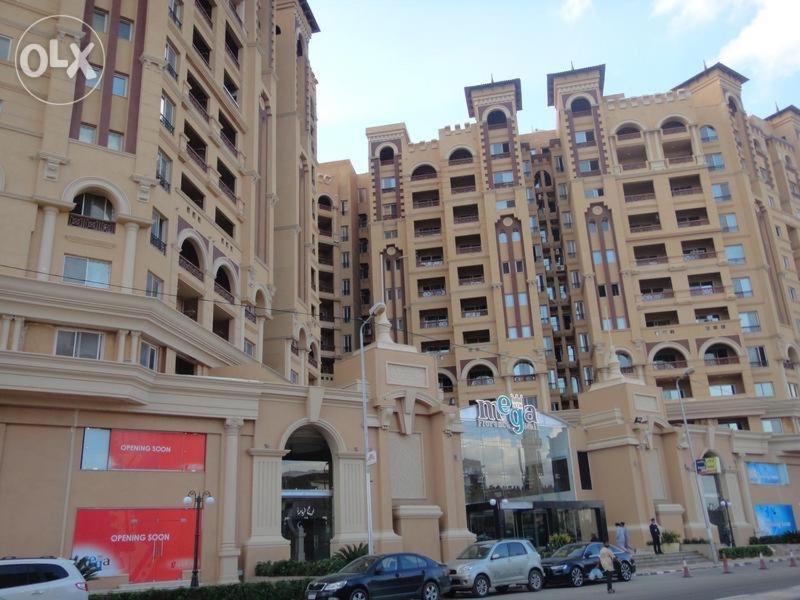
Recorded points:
(607, 566)
(626, 539)
(655, 533)
(619, 535)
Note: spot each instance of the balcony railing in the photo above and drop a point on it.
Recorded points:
(163, 181)
(642, 228)
(673, 130)
(250, 313)
(689, 256)
(468, 249)
(503, 125)
(91, 223)
(427, 203)
(504, 184)
(460, 161)
(640, 197)
(432, 262)
(433, 323)
(463, 189)
(653, 296)
(751, 328)
(581, 113)
(158, 243)
(226, 189)
(200, 159)
(432, 292)
(686, 191)
(466, 219)
(326, 232)
(721, 360)
(706, 290)
(326, 260)
(501, 155)
(327, 346)
(628, 370)
(486, 380)
(633, 135)
(204, 54)
(679, 160)
(519, 378)
(234, 55)
(421, 176)
(630, 166)
(203, 11)
(171, 70)
(651, 260)
(663, 365)
(167, 125)
(295, 348)
(474, 312)
(328, 289)
(229, 143)
(192, 268)
(223, 292)
(200, 108)
(692, 222)
(428, 231)
(471, 280)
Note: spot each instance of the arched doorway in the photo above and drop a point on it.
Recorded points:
(712, 494)
(307, 494)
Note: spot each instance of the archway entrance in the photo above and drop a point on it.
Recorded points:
(712, 494)
(307, 493)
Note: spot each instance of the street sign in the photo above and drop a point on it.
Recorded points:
(372, 457)
(707, 466)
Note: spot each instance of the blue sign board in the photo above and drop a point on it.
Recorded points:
(767, 473)
(775, 519)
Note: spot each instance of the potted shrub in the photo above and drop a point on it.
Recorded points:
(670, 542)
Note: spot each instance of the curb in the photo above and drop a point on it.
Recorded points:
(702, 566)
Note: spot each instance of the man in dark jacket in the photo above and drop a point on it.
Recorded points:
(655, 533)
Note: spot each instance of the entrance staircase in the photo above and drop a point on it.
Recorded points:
(663, 562)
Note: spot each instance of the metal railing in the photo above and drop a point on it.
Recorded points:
(226, 189)
(173, 15)
(474, 312)
(421, 176)
(192, 268)
(466, 219)
(433, 323)
(679, 160)
(663, 295)
(721, 360)
(689, 256)
(203, 11)
(486, 380)
(673, 130)
(640, 197)
(686, 191)
(91, 223)
(158, 243)
(463, 189)
(472, 280)
(692, 222)
(432, 292)
(223, 292)
(468, 249)
(425, 232)
(434, 262)
(664, 365)
(633, 135)
(642, 228)
(200, 159)
(167, 124)
(630, 166)
(706, 290)
(651, 260)
(250, 313)
(460, 161)
(196, 103)
(427, 203)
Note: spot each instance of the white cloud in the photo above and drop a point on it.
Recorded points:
(770, 44)
(572, 10)
(690, 12)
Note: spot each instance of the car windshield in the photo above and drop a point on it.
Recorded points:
(359, 565)
(569, 551)
(476, 551)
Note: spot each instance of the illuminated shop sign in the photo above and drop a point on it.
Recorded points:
(135, 450)
(767, 473)
(775, 519)
(708, 466)
(146, 544)
(509, 412)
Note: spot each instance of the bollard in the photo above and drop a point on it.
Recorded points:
(686, 570)
(762, 565)
(792, 561)
(725, 568)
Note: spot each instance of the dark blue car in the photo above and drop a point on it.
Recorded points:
(383, 577)
(572, 563)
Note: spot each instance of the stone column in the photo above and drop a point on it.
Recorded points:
(744, 491)
(240, 321)
(134, 356)
(656, 151)
(260, 341)
(129, 260)
(169, 360)
(349, 501)
(265, 541)
(5, 329)
(697, 144)
(229, 552)
(122, 336)
(45, 262)
(16, 338)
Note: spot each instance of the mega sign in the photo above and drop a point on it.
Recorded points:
(509, 412)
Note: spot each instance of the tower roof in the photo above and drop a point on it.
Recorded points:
(309, 16)
(552, 76)
(469, 90)
(715, 67)
(791, 108)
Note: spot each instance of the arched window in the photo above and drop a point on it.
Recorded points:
(673, 126)
(223, 280)
(604, 224)
(93, 206)
(542, 179)
(625, 362)
(387, 154)
(669, 358)
(592, 226)
(628, 132)
(708, 134)
(720, 354)
(189, 253)
(524, 371)
(732, 106)
(480, 375)
(460, 155)
(497, 118)
(325, 202)
(423, 172)
(307, 495)
(580, 105)
(576, 386)
(299, 47)
(445, 384)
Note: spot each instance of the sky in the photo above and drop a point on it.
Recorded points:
(388, 61)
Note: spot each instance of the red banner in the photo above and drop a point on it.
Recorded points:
(147, 544)
(156, 451)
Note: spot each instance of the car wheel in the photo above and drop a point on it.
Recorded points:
(535, 580)
(625, 571)
(359, 594)
(430, 591)
(480, 586)
(576, 577)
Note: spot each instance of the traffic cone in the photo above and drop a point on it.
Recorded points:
(762, 565)
(686, 570)
(792, 561)
(725, 567)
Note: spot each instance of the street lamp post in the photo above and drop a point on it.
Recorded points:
(198, 500)
(686, 373)
(377, 309)
(726, 504)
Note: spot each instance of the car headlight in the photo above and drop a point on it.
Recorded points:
(336, 585)
(558, 568)
(464, 569)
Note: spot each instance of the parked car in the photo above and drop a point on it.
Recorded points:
(47, 578)
(498, 564)
(382, 577)
(571, 563)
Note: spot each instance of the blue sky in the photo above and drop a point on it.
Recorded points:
(385, 61)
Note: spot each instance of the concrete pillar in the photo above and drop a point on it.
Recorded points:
(239, 324)
(697, 144)
(260, 341)
(229, 552)
(122, 336)
(16, 338)
(169, 361)
(129, 259)
(744, 491)
(134, 353)
(265, 541)
(5, 329)
(45, 262)
(349, 503)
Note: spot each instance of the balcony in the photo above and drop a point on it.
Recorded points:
(680, 160)
(471, 280)
(633, 166)
(158, 243)
(434, 323)
(699, 255)
(173, 15)
(461, 219)
(167, 124)
(661, 295)
(474, 313)
(430, 262)
(463, 189)
(76, 220)
(645, 227)
(224, 293)
(671, 129)
(631, 135)
(226, 189)
(191, 268)
(706, 290)
(453, 162)
(640, 197)
(468, 248)
(651, 260)
(199, 105)
(250, 313)
(430, 292)
(717, 361)
(204, 9)
(483, 380)
(668, 365)
(198, 158)
(427, 231)
(425, 202)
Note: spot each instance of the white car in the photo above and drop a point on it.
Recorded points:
(496, 564)
(41, 578)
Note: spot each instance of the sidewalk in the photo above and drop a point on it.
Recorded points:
(742, 562)
(790, 594)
